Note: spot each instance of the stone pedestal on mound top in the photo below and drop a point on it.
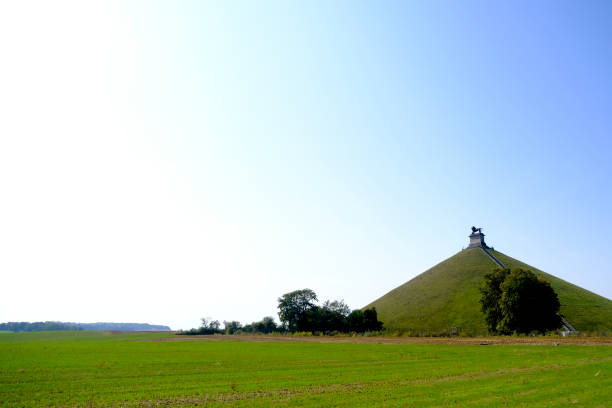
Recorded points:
(477, 240)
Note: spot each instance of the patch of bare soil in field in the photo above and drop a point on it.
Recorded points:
(536, 341)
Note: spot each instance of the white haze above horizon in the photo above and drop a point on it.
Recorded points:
(166, 161)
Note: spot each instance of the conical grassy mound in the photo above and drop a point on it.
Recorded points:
(446, 296)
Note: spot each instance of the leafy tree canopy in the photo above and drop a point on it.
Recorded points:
(293, 307)
(518, 301)
(232, 327)
(298, 312)
(363, 320)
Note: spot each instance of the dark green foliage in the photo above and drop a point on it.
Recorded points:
(337, 306)
(299, 313)
(321, 319)
(491, 294)
(232, 327)
(329, 317)
(210, 324)
(371, 321)
(293, 308)
(528, 303)
(266, 325)
(363, 321)
(332, 319)
(356, 321)
(518, 301)
(208, 327)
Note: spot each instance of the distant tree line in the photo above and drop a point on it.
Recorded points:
(38, 326)
(299, 312)
(266, 325)
(62, 326)
(207, 327)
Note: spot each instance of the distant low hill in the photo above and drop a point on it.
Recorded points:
(447, 296)
(59, 326)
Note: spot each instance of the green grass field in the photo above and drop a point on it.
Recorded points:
(93, 369)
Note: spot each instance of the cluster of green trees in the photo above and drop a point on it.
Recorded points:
(207, 327)
(266, 325)
(298, 312)
(517, 301)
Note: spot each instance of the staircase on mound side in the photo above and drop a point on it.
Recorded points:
(477, 241)
(493, 258)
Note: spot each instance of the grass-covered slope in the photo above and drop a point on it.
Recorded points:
(442, 297)
(447, 295)
(584, 310)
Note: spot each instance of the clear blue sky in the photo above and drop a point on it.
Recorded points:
(165, 161)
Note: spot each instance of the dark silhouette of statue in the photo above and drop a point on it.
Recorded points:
(474, 230)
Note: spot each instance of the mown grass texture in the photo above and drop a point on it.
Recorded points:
(447, 296)
(83, 369)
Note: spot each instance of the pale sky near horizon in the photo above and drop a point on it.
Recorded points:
(166, 161)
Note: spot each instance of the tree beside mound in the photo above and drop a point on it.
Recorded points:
(518, 301)
(445, 299)
(298, 312)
